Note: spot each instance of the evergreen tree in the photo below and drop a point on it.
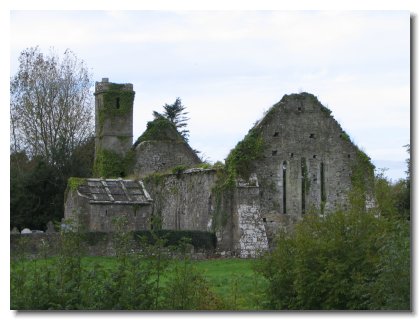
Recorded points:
(176, 114)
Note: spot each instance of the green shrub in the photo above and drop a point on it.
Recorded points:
(339, 262)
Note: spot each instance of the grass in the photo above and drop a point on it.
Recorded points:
(233, 280)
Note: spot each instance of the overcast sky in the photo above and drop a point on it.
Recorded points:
(228, 67)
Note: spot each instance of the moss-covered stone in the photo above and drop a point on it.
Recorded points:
(73, 183)
(160, 129)
(109, 164)
(116, 103)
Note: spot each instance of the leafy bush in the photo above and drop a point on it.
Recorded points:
(347, 260)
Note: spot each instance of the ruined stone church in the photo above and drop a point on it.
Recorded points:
(295, 160)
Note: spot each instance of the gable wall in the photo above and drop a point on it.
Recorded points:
(298, 128)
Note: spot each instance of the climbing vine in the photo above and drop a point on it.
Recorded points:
(73, 183)
(362, 180)
(238, 164)
(159, 129)
(109, 164)
(116, 103)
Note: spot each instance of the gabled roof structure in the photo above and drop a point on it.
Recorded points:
(114, 191)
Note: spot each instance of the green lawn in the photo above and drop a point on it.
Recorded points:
(231, 279)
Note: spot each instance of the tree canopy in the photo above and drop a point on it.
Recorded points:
(50, 105)
(176, 114)
(51, 134)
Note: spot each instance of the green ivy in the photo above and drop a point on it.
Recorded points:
(109, 164)
(159, 129)
(73, 183)
(362, 180)
(109, 110)
(155, 178)
(238, 164)
(344, 136)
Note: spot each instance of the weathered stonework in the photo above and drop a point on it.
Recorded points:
(162, 155)
(296, 160)
(96, 203)
(307, 161)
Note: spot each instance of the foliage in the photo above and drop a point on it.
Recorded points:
(178, 170)
(50, 105)
(198, 239)
(115, 93)
(187, 289)
(51, 134)
(392, 199)
(345, 136)
(73, 182)
(339, 262)
(177, 115)
(37, 187)
(159, 129)
(362, 180)
(135, 281)
(109, 164)
(238, 164)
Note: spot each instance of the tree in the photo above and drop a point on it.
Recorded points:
(51, 134)
(50, 106)
(176, 114)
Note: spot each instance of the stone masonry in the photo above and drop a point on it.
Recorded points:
(306, 165)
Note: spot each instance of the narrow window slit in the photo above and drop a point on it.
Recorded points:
(303, 183)
(284, 186)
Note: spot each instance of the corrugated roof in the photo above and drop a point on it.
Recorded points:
(114, 191)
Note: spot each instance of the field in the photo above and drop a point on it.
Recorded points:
(232, 280)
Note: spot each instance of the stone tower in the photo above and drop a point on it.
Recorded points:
(113, 124)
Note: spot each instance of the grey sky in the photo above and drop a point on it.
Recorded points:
(228, 67)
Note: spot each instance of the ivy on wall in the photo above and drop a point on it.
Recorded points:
(116, 103)
(109, 164)
(159, 129)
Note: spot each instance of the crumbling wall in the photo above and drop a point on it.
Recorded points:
(186, 201)
(101, 217)
(307, 161)
(250, 234)
(161, 155)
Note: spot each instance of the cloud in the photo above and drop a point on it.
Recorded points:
(230, 66)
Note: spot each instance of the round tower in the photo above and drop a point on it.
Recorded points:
(113, 125)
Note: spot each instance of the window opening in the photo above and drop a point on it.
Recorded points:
(284, 186)
(323, 195)
(303, 183)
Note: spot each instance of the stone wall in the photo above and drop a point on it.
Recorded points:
(187, 202)
(113, 117)
(100, 217)
(251, 237)
(161, 155)
(183, 201)
(306, 164)
(42, 245)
